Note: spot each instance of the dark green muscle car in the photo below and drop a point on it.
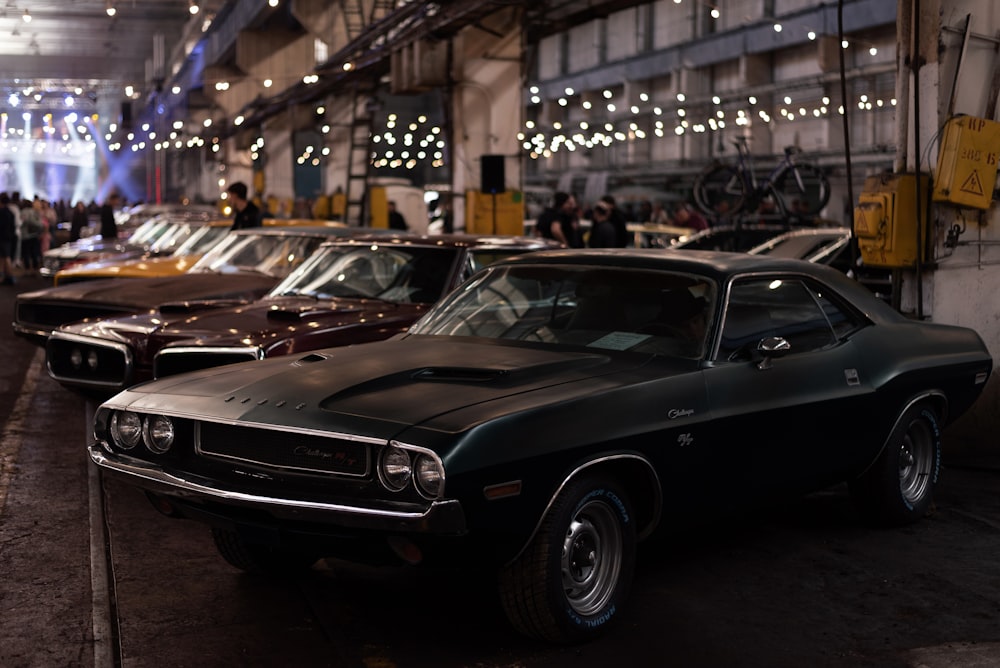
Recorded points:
(550, 413)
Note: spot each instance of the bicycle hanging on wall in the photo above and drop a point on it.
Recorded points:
(797, 189)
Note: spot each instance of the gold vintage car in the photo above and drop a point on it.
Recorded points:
(188, 246)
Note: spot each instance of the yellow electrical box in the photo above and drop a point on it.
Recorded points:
(500, 213)
(967, 162)
(378, 202)
(886, 224)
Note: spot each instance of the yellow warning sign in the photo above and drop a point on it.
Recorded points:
(967, 162)
(972, 184)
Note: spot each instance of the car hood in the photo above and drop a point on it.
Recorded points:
(272, 322)
(153, 266)
(279, 325)
(380, 389)
(151, 292)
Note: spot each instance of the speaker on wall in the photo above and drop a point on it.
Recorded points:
(492, 174)
(126, 114)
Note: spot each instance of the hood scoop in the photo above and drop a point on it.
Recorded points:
(460, 374)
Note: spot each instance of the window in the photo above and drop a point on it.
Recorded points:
(787, 308)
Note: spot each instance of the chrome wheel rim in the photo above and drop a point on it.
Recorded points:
(916, 459)
(591, 557)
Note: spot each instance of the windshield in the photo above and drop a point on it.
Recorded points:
(176, 235)
(656, 312)
(402, 274)
(202, 239)
(269, 254)
(149, 231)
(800, 247)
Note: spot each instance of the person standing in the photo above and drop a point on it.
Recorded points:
(31, 232)
(618, 221)
(8, 240)
(109, 229)
(396, 220)
(79, 221)
(659, 215)
(686, 216)
(560, 222)
(602, 230)
(14, 206)
(247, 214)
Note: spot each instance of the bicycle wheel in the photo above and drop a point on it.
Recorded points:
(802, 190)
(720, 191)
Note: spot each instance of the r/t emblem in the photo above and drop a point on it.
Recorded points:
(685, 439)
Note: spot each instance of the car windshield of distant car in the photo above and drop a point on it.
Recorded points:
(658, 312)
(401, 274)
(203, 238)
(267, 254)
(174, 236)
(801, 247)
(149, 231)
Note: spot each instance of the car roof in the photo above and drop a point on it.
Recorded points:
(715, 265)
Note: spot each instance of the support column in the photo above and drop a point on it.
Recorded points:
(486, 105)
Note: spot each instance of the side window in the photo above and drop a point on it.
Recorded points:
(788, 308)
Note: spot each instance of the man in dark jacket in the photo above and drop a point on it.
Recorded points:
(559, 221)
(247, 214)
(602, 230)
(109, 229)
(617, 219)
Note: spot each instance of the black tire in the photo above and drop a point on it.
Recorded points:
(802, 190)
(899, 487)
(256, 558)
(720, 191)
(569, 583)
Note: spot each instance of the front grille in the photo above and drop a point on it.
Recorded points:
(77, 362)
(285, 450)
(51, 316)
(170, 362)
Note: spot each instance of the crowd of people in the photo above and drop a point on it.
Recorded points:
(28, 229)
(564, 220)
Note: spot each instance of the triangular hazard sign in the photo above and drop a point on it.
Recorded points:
(860, 222)
(973, 185)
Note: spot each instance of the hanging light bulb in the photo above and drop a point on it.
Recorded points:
(193, 7)
(109, 7)
(26, 16)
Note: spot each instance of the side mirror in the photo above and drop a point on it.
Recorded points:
(771, 348)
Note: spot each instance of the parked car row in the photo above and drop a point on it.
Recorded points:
(331, 392)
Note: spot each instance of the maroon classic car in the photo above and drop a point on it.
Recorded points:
(365, 288)
(243, 267)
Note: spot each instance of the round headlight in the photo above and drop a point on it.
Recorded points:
(126, 429)
(394, 468)
(76, 358)
(429, 475)
(158, 434)
(92, 360)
